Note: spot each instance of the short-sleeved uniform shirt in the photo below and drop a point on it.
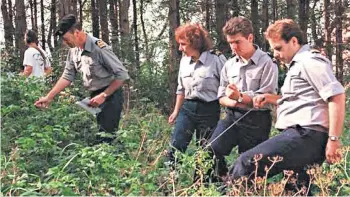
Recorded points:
(307, 87)
(33, 58)
(200, 80)
(258, 76)
(97, 63)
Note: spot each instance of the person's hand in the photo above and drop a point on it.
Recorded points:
(43, 102)
(97, 100)
(172, 117)
(232, 92)
(333, 151)
(259, 101)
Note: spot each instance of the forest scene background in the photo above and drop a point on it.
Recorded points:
(50, 152)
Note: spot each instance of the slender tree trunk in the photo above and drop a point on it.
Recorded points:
(95, 20)
(291, 9)
(304, 16)
(43, 42)
(313, 24)
(8, 25)
(235, 8)
(113, 16)
(339, 40)
(255, 18)
(136, 38)
(21, 26)
(175, 54)
(145, 37)
(265, 23)
(327, 30)
(35, 7)
(221, 10)
(31, 6)
(104, 21)
(274, 10)
(207, 6)
(67, 7)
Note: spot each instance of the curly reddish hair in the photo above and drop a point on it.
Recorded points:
(196, 35)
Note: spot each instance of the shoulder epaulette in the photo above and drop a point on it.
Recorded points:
(215, 52)
(100, 43)
(315, 51)
(272, 57)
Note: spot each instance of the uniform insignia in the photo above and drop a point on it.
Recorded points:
(215, 52)
(100, 44)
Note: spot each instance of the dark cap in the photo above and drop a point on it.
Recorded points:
(65, 24)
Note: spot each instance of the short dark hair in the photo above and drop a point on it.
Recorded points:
(196, 35)
(238, 25)
(31, 36)
(285, 29)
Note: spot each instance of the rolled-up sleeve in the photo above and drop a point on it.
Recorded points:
(69, 72)
(319, 74)
(113, 64)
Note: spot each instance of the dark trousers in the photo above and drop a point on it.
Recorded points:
(108, 119)
(194, 116)
(298, 146)
(248, 132)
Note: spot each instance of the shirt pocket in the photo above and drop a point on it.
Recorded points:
(186, 79)
(253, 78)
(98, 71)
(208, 82)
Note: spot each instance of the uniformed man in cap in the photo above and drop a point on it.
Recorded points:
(102, 72)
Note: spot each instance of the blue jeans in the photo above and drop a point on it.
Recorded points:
(194, 116)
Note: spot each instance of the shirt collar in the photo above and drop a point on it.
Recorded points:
(255, 57)
(298, 55)
(202, 57)
(88, 43)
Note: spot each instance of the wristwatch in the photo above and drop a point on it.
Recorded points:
(333, 138)
(240, 98)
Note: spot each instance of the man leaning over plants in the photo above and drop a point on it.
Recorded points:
(102, 72)
(310, 110)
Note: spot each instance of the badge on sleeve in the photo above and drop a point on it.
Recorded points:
(100, 44)
(215, 52)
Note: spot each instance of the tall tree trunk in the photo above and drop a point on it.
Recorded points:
(125, 30)
(67, 7)
(255, 20)
(265, 23)
(8, 25)
(274, 10)
(104, 21)
(113, 17)
(291, 9)
(35, 7)
(95, 20)
(221, 10)
(175, 54)
(43, 42)
(327, 31)
(31, 6)
(52, 27)
(313, 24)
(145, 37)
(339, 40)
(235, 8)
(207, 6)
(304, 16)
(21, 26)
(126, 52)
(136, 39)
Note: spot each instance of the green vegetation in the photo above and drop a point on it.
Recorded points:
(51, 152)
